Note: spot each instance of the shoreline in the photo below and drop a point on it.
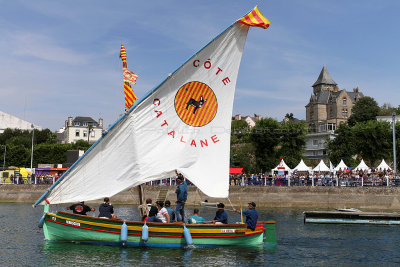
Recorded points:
(367, 198)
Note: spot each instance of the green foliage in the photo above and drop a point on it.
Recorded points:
(240, 132)
(292, 142)
(343, 146)
(243, 156)
(46, 149)
(364, 109)
(373, 140)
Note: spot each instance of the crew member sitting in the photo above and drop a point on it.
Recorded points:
(148, 210)
(251, 216)
(221, 217)
(162, 214)
(80, 208)
(195, 218)
(171, 212)
(106, 209)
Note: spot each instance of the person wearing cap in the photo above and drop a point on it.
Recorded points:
(80, 208)
(251, 216)
(162, 214)
(220, 216)
(171, 212)
(181, 197)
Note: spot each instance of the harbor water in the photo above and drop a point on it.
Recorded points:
(22, 244)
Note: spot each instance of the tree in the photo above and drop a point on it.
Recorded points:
(343, 146)
(373, 140)
(243, 156)
(292, 142)
(364, 109)
(240, 132)
(265, 138)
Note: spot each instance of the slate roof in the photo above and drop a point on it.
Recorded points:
(84, 119)
(324, 78)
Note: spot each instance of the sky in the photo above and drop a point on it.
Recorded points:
(61, 58)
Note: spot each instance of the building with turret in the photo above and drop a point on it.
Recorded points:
(328, 107)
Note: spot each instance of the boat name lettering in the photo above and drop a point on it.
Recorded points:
(73, 223)
(227, 230)
(207, 65)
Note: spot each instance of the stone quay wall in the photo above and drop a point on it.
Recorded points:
(372, 198)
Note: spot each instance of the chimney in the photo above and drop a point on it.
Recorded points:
(69, 121)
(238, 117)
(101, 123)
(355, 90)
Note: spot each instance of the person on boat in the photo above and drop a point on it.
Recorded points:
(181, 197)
(80, 208)
(195, 218)
(221, 217)
(162, 214)
(171, 212)
(149, 209)
(251, 216)
(106, 209)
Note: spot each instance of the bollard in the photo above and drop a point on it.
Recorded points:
(124, 233)
(145, 232)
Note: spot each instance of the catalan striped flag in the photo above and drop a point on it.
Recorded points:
(130, 96)
(122, 54)
(255, 19)
(129, 77)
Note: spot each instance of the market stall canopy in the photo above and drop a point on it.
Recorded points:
(282, 166)
(321, 167)
(302, 167)
(383, 166)
(362, 166)
(235, 170)
(341, 166)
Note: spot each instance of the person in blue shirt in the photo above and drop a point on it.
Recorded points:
(251, 216)
(171, 212)
(195, 218)
(220, 216)
(181, 197)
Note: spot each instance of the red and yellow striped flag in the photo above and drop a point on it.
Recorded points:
(130, 96)
(129, 77)
(255, 19)
(122, 54)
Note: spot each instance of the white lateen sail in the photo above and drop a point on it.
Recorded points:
(183, 124)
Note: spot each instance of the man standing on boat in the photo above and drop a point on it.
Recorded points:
(181, 197)
(251, 216)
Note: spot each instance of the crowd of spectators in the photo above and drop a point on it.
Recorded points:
(346, 177)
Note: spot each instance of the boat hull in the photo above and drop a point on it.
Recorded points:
(345, 217)
(77, 228)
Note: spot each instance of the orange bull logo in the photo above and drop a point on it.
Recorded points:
(196, 104)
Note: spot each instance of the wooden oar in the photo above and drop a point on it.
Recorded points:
(241, 211)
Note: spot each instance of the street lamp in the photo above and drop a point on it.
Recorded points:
(394, 143)
(33, 134)
(4, 160)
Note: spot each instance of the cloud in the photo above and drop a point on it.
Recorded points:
(42, 47)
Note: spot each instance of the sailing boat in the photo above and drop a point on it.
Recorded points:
(181, 125)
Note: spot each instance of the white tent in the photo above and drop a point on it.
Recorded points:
(362, 166)
(302, 167)
(341, 166)
(321, 167)
(383, 166)
(282, 166)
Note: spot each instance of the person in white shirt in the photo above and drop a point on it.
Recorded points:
(162, 214)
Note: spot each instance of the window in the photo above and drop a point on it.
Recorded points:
(92, 133)
(76, 123)
(331, 126)
(344, 101)
(85, 124)
(84, 133)
(322, 127)
(315, 142)
(344, 113)
(77, 133)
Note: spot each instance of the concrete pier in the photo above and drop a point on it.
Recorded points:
(372, 198)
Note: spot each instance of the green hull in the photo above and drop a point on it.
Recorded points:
(76, 228)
